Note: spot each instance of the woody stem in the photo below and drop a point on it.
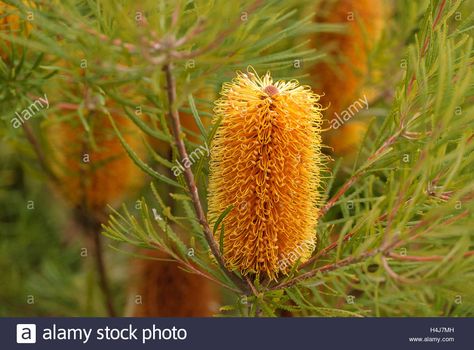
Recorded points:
(103, 277)
(30, 136)
(189, 177)
(91, 228)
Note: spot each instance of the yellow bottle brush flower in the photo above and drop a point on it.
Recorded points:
(265, 164)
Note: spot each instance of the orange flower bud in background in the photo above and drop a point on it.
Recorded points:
(11, 22)
(348, 138)
(265, 164)
(166, 290)
(94, 168)
(341, 76)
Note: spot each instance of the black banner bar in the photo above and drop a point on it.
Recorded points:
(236, 333)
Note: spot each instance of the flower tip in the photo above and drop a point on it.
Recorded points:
(271, 90)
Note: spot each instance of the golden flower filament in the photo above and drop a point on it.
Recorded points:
(265, 164)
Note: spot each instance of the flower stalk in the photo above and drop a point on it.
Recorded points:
(189, 177)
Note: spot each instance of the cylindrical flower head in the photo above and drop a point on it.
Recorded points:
(265, 163)
(345, 71)
(97, 176)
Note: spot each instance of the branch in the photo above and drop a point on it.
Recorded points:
(325, 251)
(327, 268)
(102, 271)
(385, 249)
(424, 258)
(221, 37)
(39, 152)
(426, 42)
(91, 227)
(426, 223)
(84, 220)
(382, 149)
(396, 276)
(348, 236)
(187, 265)
(189, 177)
